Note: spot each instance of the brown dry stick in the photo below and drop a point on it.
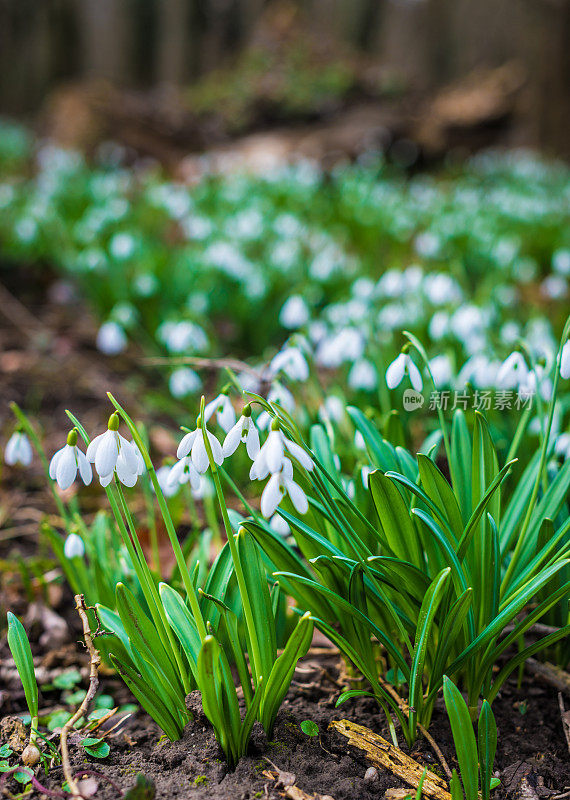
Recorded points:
(383, 754)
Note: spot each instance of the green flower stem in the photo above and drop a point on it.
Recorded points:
(155, 596)
(178, 554)
(233, 486)
(543, 455)
(30, 431)
(153, 532)
(248, 614)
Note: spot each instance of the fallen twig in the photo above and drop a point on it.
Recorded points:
(383, 754)
(565, 717)
(95, 659)
(550, 674)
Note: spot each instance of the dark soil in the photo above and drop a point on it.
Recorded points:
(532, 756)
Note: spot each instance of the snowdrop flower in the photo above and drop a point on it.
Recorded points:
(18, 450)
(112, 453)
(162, 476)
(193, 444)
(67, 462)
(562, 445)
(243, 431)
(111, 339)
(561, 262)
(278, 485)
(440, 367)
(332, 410)
(398, 368)
(184, 381)
(565, 361)
(182, 472)
(271, 456)
(74, 547)
(513, 371)
(292, 362)
(362, 375)
(279, 525)
(222, 407)
(294, 313)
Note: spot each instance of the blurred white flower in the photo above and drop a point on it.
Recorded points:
(562, 445)
(279, 525)
(182, 472)
(67, 462)
(513, 372)
(363, 376)
(111, 339)
(184, 381)
(294, 313)
(74, 547)
(398, 368)
(18, 450)
(441, 369)
(565, 361)
(291, 362)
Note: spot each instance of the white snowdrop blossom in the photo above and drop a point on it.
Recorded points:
(112, 454)
(18, 450)
(291, 362)
(562, 445)
(271, 456)
(182, 472)
(279, 525)
(184, 381)
(441, 369)
(280, 484)
(222, 407)
(398, 368)
(67, 462)
(565, 361)
(294, 313)
(243, 431)
(111, 339)
(162, 475)
(363, 375)
(193, 445)
(513, 372)
(74, 547)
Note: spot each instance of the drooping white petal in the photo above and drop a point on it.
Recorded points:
(11, 451)
(176, 473)
(73, 546)
(252, 440)
(66, 468)
(129, 455)
(298, 497)
(565, 361)
(199, 454)
(125, 473)
(415, 375)
(84, 467)
(395, 371)
(227, 415)
(301, 455)
(53, 463)
(271, 497)
(233, 438)
(216, 449)
(274, 451)
(25, 453)
(186, 444)
(105, 480)
(107, 453)
(94, 446)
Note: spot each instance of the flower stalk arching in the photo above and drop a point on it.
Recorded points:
(178, 554)
(142, 570)
(247, 610)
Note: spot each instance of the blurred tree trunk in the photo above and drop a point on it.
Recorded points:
(105, 30)
(175, 41)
